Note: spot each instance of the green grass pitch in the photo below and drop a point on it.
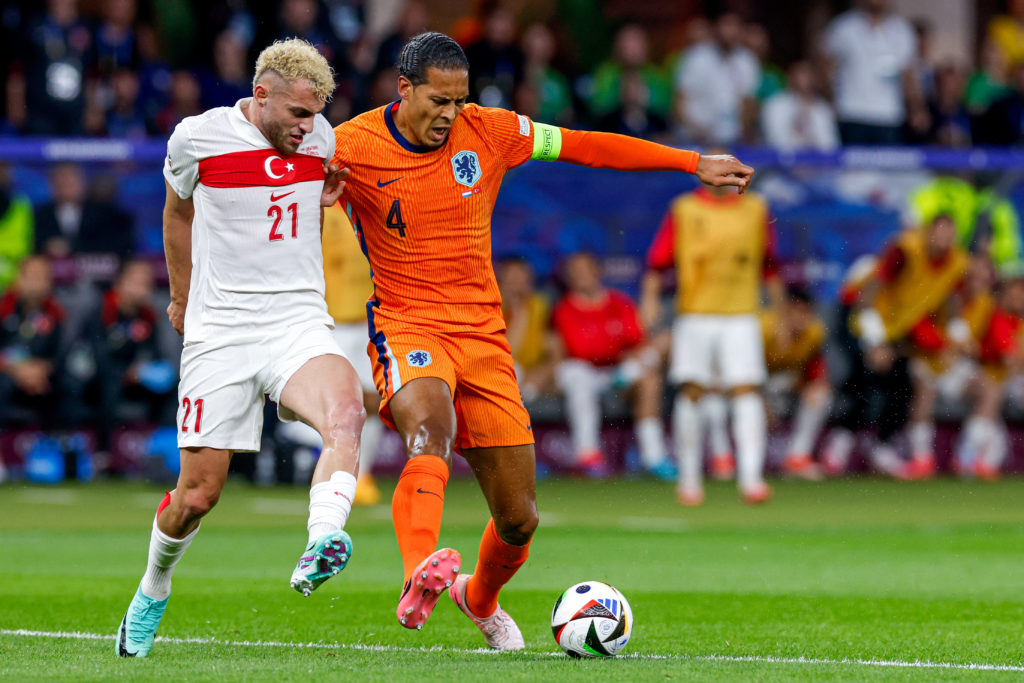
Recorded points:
(848, 580)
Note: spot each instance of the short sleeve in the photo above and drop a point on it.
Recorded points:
(181, 167)
(329, 138)
(510, 134)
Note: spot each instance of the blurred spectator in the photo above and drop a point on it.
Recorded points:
(414, 19)
(125, 120)
(601, 347)
(1007, 32)
(57, 53)
(16, 228)
(988, 83)
(949, 121)
(553, 96)
(133, 380)
(893, 308)
(154, 75)
(230, 79)
(1003, 123)
(184, 101)
(630, 54)
(31, 323)
(923, 66)
(301, 19)
(716, 336)
(73, 224)
(497, 61)
(716, 85)
(794, 339)
(773, 78)
(115, 37)
(634, 115)
(872, 50)
(526, 314)
(798, 118)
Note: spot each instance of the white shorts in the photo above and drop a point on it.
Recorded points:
(352, 338)
(223, 384)
(717, 350)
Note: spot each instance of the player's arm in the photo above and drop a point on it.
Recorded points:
(178, 215)
(624, 153)
(660, 257)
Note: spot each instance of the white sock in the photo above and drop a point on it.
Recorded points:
(975, 435)
(372, 430)
(164, 553)
(996, 447)
(748, 429)
(809, 418)
(686, 430)
(836, 454)
(578, 382)
(651, 438)
(715, 412)
(922, 439)
(329, 504)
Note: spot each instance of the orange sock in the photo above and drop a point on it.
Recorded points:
(497, 564)
(417, 506)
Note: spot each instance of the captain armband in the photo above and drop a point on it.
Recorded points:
(547, 142)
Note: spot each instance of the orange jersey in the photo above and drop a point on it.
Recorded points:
(424, 215)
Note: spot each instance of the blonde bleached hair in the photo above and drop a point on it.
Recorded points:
(293, 60)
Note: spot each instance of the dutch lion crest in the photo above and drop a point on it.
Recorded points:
(466, 166)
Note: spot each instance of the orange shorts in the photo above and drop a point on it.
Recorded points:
(477, 367)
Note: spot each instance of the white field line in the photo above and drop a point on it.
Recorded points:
(369, 647)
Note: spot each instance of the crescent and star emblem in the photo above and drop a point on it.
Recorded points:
(267, 166)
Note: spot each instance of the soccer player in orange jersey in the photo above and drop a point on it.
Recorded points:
(425, 173)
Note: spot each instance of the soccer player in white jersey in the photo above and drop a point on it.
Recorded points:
(245, 187)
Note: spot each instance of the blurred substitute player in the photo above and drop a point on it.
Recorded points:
(943, 357)
(722, 247)
(983, 443)
(425, 175)
(347, 286)
(793, 340)
(245, 186)
(894, 310)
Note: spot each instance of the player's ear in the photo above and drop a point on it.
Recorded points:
(405, 87)
(260, 93)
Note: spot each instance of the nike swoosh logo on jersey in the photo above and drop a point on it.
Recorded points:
(430, 492)
(381, 183)
(280, 196)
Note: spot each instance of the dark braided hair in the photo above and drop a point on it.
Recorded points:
(426, 50)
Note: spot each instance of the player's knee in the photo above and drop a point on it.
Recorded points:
(199, 500)
(694, 392)
(345, 418)
(518, 529)
(431, 436)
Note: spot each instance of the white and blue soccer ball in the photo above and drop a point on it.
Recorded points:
(592, 619)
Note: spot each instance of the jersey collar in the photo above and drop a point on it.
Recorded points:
(389, 119)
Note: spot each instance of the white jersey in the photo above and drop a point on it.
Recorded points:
(257, 259)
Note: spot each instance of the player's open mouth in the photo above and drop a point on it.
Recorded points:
(297, 139)
(437, 134)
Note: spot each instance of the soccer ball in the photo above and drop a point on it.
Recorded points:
(591, 619)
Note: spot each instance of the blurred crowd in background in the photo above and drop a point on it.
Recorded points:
(84, 343)
(131, 68)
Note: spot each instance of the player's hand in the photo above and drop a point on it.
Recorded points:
(334, 184)
(176, 314)
(880, 358)
(33, 376)
(724, 169)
